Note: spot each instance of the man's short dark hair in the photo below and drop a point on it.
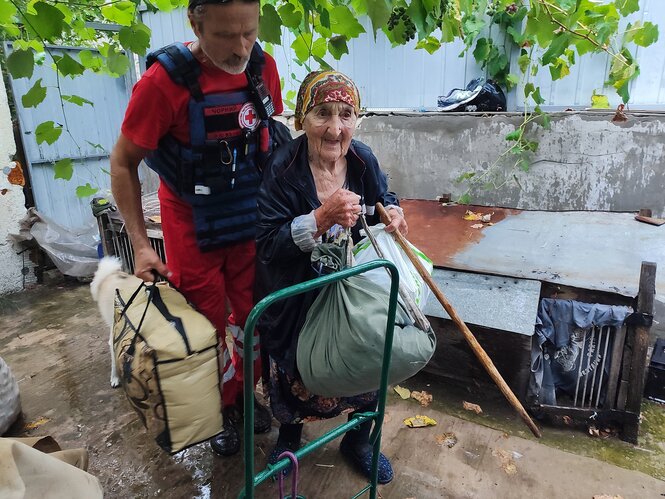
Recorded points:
(195, 3)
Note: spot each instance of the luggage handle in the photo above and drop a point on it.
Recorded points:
(294, 479)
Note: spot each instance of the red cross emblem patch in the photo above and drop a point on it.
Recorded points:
(248, 117)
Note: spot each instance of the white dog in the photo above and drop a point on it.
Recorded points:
(108, 278)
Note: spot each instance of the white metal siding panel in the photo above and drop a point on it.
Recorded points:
(402, 77)
(100, 124)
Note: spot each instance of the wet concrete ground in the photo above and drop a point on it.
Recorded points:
(55, 343)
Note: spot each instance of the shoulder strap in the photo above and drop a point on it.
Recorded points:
(181, 66)
(259, 93)
(256, 61)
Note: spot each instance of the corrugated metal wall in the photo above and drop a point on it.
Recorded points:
(89, 126)
(405, 78)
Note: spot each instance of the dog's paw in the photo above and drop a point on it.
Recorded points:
(115, 382)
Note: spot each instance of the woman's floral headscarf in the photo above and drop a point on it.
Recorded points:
(320, 87)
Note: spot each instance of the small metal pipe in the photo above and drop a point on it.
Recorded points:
(579, 369)
(598, 333)
(609, 330)
(586, 376)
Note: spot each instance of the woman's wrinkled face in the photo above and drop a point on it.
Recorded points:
(329, 128)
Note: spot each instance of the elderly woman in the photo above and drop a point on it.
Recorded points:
(311, 187)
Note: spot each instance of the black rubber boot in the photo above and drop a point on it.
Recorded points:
(288, 440)
(227, 442)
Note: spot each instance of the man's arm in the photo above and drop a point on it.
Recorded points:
(125, 159)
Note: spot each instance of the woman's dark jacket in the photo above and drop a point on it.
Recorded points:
(288, 191)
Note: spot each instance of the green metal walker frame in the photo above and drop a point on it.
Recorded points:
(252, 479)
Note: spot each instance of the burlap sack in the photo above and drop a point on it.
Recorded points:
(36, 467)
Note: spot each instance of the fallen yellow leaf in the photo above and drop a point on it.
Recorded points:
(469, 215)
(405, 393)
(36, 424)
(419, 421)
(506, 459)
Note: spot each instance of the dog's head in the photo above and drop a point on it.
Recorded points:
(108, 266)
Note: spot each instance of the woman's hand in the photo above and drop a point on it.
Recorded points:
(397, 221)
(342, 207)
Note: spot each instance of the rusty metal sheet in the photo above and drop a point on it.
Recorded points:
(589, 250)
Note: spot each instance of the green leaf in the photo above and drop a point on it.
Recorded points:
(529, 88)
(498, 65)
(47, 132)
(646, 35)
(482, 51)
(64, 169)
(515, 135)
(67, 66)
(464, 199)
(324, 18)
(512, 80)
(122, 12)
(291, 18)
(546, 121)
(379, 13)
(337, 46)
(21, 63)
(270, 25)
(319, 48)
(76, 99)
(84, 191)
(343, 22)
(430, 44)
(559, 69)
(523, 164)
(33, 44)
(472, 26)
(537, 97)
(7, 12)
(117, 63)
(35, 95)
(46, 23)
(523, 62)
(90, 61)
(556, 48)
(517, 37)
(599, 101)
(135, 38)
(301, 46)
(627, 6)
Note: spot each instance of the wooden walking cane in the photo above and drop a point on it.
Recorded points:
(468, 335)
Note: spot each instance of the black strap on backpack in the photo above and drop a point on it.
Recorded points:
(181, 66)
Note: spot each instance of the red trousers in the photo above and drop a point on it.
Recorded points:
(208, 280)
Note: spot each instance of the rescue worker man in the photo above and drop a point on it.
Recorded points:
(199, 118)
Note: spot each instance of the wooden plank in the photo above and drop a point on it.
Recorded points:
(645, 302)
(615, 369)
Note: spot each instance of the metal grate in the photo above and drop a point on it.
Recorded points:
(117, 241)
(591, 377)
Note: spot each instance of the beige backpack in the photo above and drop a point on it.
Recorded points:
(168, 365)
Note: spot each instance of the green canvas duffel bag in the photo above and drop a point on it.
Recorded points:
(340, 347)
(167, 360)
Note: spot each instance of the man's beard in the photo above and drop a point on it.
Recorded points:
(234, 69)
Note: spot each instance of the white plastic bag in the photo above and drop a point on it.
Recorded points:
(364, 252)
